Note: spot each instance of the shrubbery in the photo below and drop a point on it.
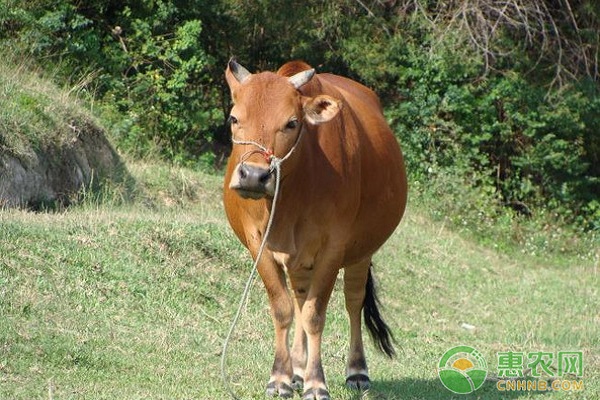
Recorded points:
(145, 63)
(503, 96)
(518, 123)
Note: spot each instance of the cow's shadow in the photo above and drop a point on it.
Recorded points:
(432, 389)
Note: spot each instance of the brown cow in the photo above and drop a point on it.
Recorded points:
(342, 194)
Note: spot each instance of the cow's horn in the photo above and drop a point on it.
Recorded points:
(240, 73)
(301, 78)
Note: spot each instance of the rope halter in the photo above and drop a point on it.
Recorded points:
(268, 154)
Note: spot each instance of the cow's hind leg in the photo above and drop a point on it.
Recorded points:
(359, 290)
(355, 280)
(280, 382)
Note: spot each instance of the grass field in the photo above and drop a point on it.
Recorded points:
(133, 301)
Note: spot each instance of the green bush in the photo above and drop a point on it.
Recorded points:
(144, 61)
(164, 101)
(515, 137)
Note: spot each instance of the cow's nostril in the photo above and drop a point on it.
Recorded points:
(264, 177)
(243, 171)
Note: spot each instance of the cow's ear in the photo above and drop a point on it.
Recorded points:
(321, 109)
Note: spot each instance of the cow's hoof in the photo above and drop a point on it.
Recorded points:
(358, 382)
(316, 394)
(297, 382)
(280, 389)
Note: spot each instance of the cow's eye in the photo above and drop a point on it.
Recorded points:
(292, 124)
(232, 120)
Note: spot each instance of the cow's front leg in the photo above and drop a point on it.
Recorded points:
(313, 322)
(280, 382)
(300, 278)
(299, 344)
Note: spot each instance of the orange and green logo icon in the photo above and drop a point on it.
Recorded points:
(462, 369)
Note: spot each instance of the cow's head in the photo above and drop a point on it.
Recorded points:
(269, 110)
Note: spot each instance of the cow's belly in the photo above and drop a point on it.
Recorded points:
(376, 220)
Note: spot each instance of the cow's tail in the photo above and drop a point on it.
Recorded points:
(379, 330)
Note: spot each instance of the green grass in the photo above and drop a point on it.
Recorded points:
(132, 301)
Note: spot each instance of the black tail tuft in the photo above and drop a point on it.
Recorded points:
(380, 332)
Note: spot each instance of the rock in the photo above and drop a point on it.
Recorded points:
(56, 173)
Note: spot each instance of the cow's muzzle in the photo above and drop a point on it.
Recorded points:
(253, 181)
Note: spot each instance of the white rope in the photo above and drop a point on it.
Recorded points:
(275, 165)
